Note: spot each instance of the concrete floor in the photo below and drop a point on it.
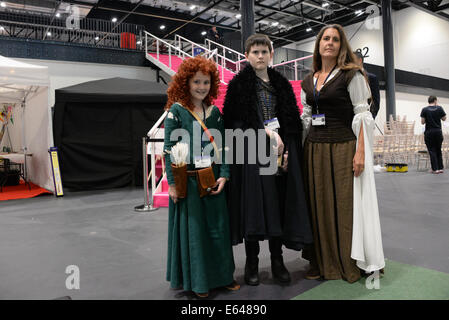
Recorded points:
(121, 254)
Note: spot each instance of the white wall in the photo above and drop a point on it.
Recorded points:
(421, 42)
(63, 73)
(410, 105)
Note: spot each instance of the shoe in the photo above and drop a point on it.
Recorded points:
(202, 295)
(440, 171)
(279, 271)
(234, 286)
(252, 272)
(312, 274)
(435, 172)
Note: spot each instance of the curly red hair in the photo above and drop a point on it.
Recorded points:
(178, 90)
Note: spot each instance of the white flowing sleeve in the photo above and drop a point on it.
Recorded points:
(367, 247)
(306, 116)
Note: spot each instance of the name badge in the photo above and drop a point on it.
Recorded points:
(272, 124)
(202, 162)
(318, 120)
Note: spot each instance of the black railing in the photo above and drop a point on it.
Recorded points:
(86, 31)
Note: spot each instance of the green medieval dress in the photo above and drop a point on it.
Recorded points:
(199, 247)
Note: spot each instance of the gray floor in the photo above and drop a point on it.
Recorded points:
(121, 253)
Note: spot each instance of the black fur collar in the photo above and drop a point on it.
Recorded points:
(240, 105)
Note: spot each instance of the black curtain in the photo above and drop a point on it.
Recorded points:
(100, 144)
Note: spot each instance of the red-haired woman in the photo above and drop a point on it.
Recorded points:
(199, 247)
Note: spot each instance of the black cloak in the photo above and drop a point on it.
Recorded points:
(264, 206)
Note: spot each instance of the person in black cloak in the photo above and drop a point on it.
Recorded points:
(264, 206)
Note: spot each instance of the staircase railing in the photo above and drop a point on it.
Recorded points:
(152, 140)
(221, 48)
(179, 40)
(294, 64)
(222, 61)
(160, 46)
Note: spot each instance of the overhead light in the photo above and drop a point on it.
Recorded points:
(114, 20)
(274, 24)
(97, 38)
(139, 42)
(2, 4)
(203, 33)
(309, 29)
(238, 16)
(325, 4)
(192, 7)
(358, 12)
(2, 28)
(49, 34)
(162, 27)
(58, 15)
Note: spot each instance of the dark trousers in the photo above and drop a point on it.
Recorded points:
(434, 140)
(252, 248)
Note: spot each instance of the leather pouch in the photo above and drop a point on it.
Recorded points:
(206, 181)
(180, 176)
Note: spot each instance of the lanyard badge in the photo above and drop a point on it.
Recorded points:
(272, 124)
(202, 162)
(319, 119)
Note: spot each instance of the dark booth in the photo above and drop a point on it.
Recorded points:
(98, 128)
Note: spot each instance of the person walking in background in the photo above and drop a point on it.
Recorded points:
(374, 100)
(214, 35)
(431, 116)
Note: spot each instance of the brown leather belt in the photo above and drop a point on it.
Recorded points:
(191, 173)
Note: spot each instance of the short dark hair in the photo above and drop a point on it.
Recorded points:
(358, 54)
(432, 99)
(256, 39)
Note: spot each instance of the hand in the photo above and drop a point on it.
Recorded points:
(279, 144)
(220, 183)
(285, 165)
(172, 193)
(358, 163)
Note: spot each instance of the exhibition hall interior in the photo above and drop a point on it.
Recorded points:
(86, 209)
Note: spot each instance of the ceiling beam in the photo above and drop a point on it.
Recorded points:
(167, 17)
(443, 7)
(426, 9)
(257, 4)
(57, 4)
(194, 18)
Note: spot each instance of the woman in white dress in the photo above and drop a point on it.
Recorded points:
(338, 157)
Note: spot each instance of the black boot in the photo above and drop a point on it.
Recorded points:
(252, 272)
(252, 263)
(280, 272)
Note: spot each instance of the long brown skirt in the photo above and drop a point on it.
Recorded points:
(330, 184)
